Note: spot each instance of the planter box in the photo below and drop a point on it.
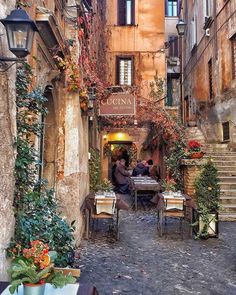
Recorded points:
(212, 227)
(75, 272)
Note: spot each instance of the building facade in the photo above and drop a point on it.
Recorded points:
(209, 67)
(63, 145)
(135, 55)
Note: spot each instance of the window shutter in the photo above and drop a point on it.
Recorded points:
(121, 12)
(133, 12)
(166, 7)
(117, 70)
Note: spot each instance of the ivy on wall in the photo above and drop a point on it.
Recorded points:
(36, 210)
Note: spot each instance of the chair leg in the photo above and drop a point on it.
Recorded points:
(117, 226)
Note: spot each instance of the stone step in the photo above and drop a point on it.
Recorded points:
(228, 192)
(219, 163)
(229, 208)
(225, 168)
(226, 173)
(223, 158)
(227, 185)
(227, 179)
(228, 200)
(227, 216)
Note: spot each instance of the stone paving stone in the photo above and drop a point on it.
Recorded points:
(142, 263)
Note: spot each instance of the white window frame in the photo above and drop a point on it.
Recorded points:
(193, 32)
(207, 6)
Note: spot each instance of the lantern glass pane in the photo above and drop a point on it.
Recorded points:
(17, 35)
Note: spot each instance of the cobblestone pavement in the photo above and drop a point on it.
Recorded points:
(143, 263)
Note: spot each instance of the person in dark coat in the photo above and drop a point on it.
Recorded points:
(141, 169)
(122, 177)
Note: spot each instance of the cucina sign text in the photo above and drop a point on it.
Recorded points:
(118, 104)
(116, 101)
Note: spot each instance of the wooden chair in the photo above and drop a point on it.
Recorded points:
(105, 209)
(173, 208)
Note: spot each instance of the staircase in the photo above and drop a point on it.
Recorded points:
(225, 162)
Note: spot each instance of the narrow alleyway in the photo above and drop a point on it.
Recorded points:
(143, 263)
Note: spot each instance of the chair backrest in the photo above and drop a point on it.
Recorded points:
(105, 205)
(174, 204)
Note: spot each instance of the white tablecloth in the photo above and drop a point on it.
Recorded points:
(70, 289)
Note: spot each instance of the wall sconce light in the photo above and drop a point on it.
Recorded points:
(91, 97)
(135, 122)
(20, 30)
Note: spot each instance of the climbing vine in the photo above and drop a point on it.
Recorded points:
(36, 210)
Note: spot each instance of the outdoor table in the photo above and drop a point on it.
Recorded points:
(143, 185)
(70, 289)
(159, 200)
(88, 206)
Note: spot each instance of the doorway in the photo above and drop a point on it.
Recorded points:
(119, 150)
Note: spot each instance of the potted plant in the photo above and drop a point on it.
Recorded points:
(207, 191)
(169, 185)
(194, 149)
(33, 267)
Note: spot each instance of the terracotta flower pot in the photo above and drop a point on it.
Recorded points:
(196, 155)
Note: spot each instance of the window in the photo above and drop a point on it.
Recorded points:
(169, 98)
(193, 35)
(226, 131)
(171, 7)
(126, 12)
(173, 46)
(233, 40)
(124, 70)
(210, 79)
(207, 8)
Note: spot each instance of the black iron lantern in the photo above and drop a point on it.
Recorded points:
(91, 96)
(20, 30)
(181, 25)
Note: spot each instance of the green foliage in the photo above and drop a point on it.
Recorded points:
(105, 185)
(173, 162)
(23, 271)
(36, 211)
(94, 170)
(157, 88)
(208, 195)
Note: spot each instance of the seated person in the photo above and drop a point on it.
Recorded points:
(153, 170)
(122, 177)
(141, 169)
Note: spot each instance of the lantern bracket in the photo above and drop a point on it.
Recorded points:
(4, 60)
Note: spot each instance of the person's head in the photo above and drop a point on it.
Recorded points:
(150, 162)
(144, 162)
(122, 162)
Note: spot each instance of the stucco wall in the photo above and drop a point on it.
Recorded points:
(7, 152)
(217, 46)
(144, 41)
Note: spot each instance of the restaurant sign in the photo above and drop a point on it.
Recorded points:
(118, 104)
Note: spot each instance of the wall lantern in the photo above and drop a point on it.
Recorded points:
(91, 97)
(20, 30)
(181, 25)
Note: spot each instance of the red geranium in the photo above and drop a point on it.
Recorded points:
(194, 146)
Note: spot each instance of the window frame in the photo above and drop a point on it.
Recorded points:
(119, 58)
(122, 13)
(167, 2)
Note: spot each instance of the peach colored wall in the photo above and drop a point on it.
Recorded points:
(144, 41)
